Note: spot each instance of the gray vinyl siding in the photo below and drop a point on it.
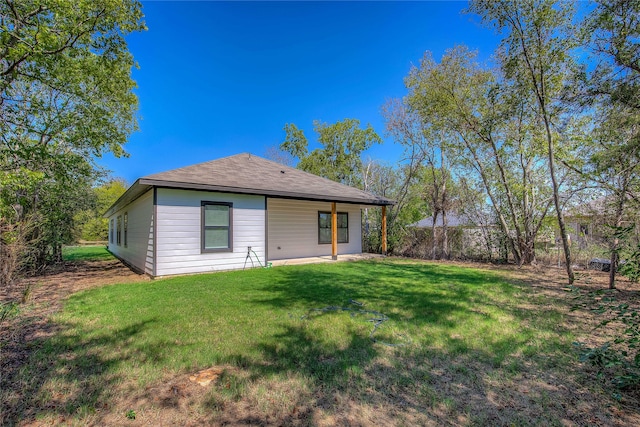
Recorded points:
(139, 249)
(179, 232)
(293, 229)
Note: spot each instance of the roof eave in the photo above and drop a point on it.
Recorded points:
(263, 192)
(135, 191)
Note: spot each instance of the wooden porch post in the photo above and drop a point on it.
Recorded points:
(384, 230)
(334, 231)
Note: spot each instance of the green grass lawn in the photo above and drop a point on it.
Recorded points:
(454, 336)
(86, 253)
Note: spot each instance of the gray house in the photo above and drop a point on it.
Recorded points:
(208, 216)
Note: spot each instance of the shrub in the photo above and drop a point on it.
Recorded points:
(618, 358)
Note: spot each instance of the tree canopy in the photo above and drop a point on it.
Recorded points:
(66, 97)
(340, 158)
(90, 223)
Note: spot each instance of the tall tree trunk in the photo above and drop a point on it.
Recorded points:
(528, 250)
(539, 76)
(445, 236)
(540, 90)
(434, 241)
(444, 203)
(556, 200)
(511, 245)
(621, 198)
(614, 256)
(512, 210)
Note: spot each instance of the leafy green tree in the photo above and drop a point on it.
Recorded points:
(427, 158)
(90, 224)
(612, 164)
(398, 183)
(66, 96)
(65, 75)
(535, 54)
(340, 158)
(610, 91)
(479, 120)
(612, 31)
(38, 208)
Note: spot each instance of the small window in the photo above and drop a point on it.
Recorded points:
(119, 230)
(324, 227)
(126, 227)
(217, 220)
(111, 231)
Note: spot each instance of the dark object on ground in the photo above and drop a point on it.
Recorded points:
(600, 264)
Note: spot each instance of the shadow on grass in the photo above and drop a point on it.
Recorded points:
(434, 384)
(66, 374)
(405, 291)
(337, 373)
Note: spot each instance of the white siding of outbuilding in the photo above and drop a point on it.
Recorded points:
(179, 232)
(139, 249)
(293, 229)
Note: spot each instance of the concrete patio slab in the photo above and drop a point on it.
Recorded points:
(321, 259)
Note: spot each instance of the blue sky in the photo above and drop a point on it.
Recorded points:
(221, 78)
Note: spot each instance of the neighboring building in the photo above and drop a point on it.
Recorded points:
(588, 222)
(209, 216)
(453, 220)
(467, 238)
(585, 222)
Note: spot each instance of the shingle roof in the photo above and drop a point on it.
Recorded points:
(249, 174)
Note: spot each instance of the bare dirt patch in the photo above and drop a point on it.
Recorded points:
(468, 392)
(584, 322)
